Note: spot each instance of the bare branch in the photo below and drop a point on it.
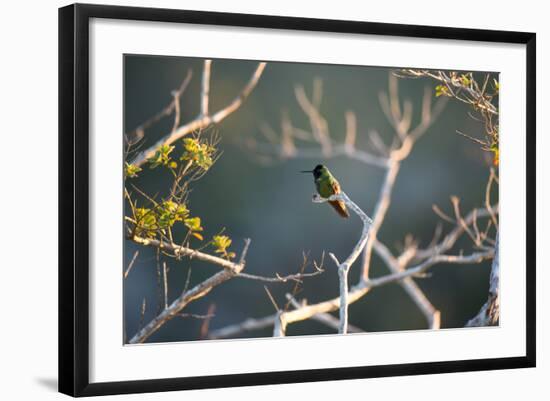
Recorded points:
(351, 130)
(442, 215)
(247, 325)
(282, 151)
(475, 93)
(180, 251)
(244, 251)
(205, 90)
(343, 268)
(280, 279)
(400, 116)
(396, 156)
(131, 264)
(237, 102)
(401, 120)
(194, 293)
(205, 326)
(139, 131)
(142, 312)
(450, 239)
(396, 266)
(325, 318)
(318, 123)
(273, 302)
(279, 325)
(380, 210)
(287, 131)
(489, 313)
(202, 121)
(195, 316)
(165, 276)
(355, 293)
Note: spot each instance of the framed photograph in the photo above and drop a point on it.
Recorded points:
(250, 199)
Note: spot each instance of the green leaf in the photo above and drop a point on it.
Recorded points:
(146, 221)
(441, 90)
(496, 154)
(182, 212)
(198, 153)
(161, 156)
(221, 243)
(131, 170)
(169, 212)
(193, 223)
(465, 80)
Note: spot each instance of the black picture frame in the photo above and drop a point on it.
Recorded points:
(74, 198)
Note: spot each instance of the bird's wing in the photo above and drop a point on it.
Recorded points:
(339, 206)
(335, 186)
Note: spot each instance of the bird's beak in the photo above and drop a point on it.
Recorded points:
(308, 171)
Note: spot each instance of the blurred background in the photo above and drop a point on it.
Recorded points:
(270, 201)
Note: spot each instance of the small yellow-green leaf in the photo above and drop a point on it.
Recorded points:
(465, 80)
(193, 223)
(198, 153)
(441, 90)
(161, 156)
(131, 170)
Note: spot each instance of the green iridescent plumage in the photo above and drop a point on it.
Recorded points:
(326, 186)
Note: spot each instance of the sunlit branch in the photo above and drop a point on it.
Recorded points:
(344, 267)
(397, 265)
(203, 120)
(325, 318)
(355, 293)
(188, 296)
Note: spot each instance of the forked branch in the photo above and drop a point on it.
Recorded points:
(344, 267)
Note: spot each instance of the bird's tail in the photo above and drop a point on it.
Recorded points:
(340, 207)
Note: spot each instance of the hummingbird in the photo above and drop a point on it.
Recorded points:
(326, 186)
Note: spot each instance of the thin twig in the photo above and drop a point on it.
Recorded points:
(142, 312)
(195, 316)
(165, 276)
(205, 326)
(131, 264)
(271, 299)
(280, 279)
